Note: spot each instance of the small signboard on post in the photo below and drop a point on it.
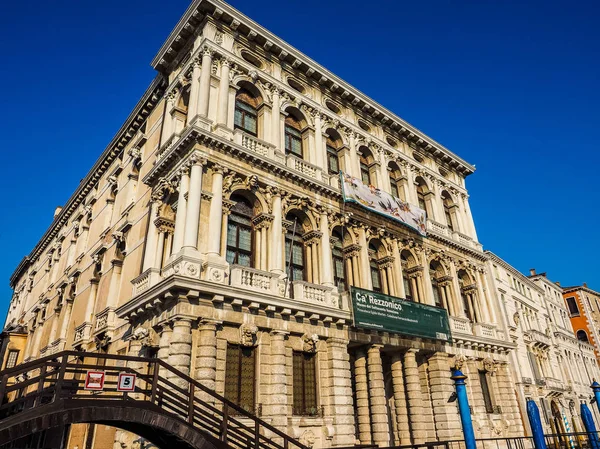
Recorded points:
(94, 380)
(126, 382)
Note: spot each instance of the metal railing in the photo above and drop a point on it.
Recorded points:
(61, 377)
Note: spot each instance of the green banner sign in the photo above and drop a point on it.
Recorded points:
(386, 313)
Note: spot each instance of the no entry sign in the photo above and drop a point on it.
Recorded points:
(126, 382)
(94, 380)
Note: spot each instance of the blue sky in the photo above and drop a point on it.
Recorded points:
(511, 87)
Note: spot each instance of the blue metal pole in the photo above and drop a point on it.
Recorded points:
(463, 407)
(590, 427)
(596, 388)
(536, 425)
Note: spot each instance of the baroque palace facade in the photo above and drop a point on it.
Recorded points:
(213, 233)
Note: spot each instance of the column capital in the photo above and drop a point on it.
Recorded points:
(375, 347)
(218, 168)
(278, 332)
(196, 159)
(207, 51)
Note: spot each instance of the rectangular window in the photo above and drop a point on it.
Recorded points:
(293, 141)
(394, 189)
(305, 384)
(11, 360)
(240, 376)
(333, 165)
(572, 304)
(485, 389)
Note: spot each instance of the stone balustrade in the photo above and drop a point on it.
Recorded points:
(145, 280)
(105, 320)
(254, 144)
(306, 168)
(314, 294)
(461, 325)
(253, 279)
(484, 330)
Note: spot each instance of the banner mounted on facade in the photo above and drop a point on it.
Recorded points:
(383, 203)
(386, 313)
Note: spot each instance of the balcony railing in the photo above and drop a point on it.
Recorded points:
(315, 294)
(306, 168)
(461, 325)
(253, 279)
(537, 338)
(484, 330)
(254, 144)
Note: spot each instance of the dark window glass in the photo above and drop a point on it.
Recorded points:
(305, 384)
(376, 277)
(365, 175)
(239, 234)
(421, 198)
(408, 288)
(11, 359)
(572, 303)
(436, 292)
(295, 265)
(245, 117)
(582, 336)
(240, 376)
(339, 270)
(466, 307)
(293, 141)
(448, 216)
(485, 389)
(333, 165)
(394, 188)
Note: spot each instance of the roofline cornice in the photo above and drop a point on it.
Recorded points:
(514, 271)
(136, 118)
(580, 287)
(245, 26)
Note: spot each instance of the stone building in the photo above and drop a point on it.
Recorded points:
(583, 304)
(212, 233)
(550, 365)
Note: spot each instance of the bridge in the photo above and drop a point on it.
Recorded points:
(164, 405)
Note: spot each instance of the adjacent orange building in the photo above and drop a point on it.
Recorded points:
(584, 310)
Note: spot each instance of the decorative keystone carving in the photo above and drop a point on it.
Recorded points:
(490, 365)
(459, 361)
(310, 343)
(248, 335)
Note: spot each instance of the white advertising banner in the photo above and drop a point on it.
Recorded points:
(383, 203)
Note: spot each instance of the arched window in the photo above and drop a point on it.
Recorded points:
(333, 162)
(395, 174)
(339, 270)
(293, 135)
(464, 281)
(239, 232)
(366, 159)
(246, 114)
(294, 243)
(448, 204)
(374, 268)
(582, 336)
(422, 190)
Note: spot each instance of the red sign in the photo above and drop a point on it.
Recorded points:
(126, 382)
(94, 380)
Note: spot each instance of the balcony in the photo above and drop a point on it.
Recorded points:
(145, 280)
(315, 294)
(485, 330)
(554, 384)
(105, 321)
(442, 230)
(306, 168)
(82, 333)
(537, 338)
(254, 144)
(461, 325)
(253, 279)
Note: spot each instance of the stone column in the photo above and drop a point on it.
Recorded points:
(64, 326)
(415, 400)
(168, 125)
(180, 349)
(215, 220)
(54, 327)
(194, 91)
(470, 225)
(278, 394)
(445, 414)
(384, 183)
(192, 217)
(151, 239)
(115, 283)
(398, 278)
(276, 120)
(319, 147)
(205, 76)
(379, 417)
(400, 401)
(341, 394)
(460, 310)
(354, 159)
(276, 251)
(428, 287)
(91, 301)
(206, 357)
(223, 106)
(490, 305)
(365, 269)
(362, 397)
(184, 185)
(163, 346)
(326, 258)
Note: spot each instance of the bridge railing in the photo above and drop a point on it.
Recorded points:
(62, 377)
